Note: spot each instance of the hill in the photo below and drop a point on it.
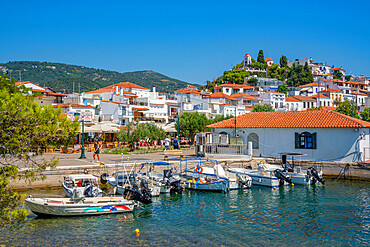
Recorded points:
(61, 76)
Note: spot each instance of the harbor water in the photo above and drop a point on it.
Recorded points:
(336, 214)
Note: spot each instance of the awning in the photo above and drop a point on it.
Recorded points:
(100, 128)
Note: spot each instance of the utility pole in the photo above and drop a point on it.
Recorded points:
(181, 104)
(235, 121)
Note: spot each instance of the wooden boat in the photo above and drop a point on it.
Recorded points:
(79, 207)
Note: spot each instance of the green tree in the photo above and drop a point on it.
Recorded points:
(365, 114)
(283, 61)
(348, 107)
(299, 75)
(235, 76)
(192, 123)
(283, 89)
(260, 108)
(348, 77)
(134, 132)
(261, 57)
(26, 129)
(338, 75)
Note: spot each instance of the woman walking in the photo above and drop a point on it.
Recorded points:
(96, 150)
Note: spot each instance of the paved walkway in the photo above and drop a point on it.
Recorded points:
(73, 159)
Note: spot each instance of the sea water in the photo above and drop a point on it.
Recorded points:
(336, 214)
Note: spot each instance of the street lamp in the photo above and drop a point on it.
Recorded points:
(82, 139)
(178, 126)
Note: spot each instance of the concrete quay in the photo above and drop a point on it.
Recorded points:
(71, 164)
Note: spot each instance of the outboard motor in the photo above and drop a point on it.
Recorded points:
(133, 193)
(88, 192)
(104, 178)
(285, 164)
(175, 185)
(282, 177)
(244, 180)
(313, 173)
(167, 174)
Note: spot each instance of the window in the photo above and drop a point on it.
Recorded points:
(253, 137)
(305, 140)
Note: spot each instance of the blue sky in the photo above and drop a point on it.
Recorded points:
(192, 41)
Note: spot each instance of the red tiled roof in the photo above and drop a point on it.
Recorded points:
(115, 102)
(268, 59)
(312, 85)
(292, 99)
(110, 89)
(247, 54)
(64, 105)
(57, 94)
(337, 69)
(39, 90)
(292, 119)
(140, 108)
(330, 90)
(129, 85)
(329, 108)
(336, 80)
(304, 98)
(243, 95)
(320, 96)
(221, 95)
(356, 93)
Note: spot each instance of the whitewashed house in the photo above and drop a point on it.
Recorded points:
(320, 135)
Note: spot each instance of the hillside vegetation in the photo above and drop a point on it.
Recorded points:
(61, 76)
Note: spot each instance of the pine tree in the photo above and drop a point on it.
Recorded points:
(283, 61)
(261, 57)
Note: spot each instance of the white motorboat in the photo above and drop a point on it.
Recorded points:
(79, 207)
(264, 176)
(168, 181)
(234, 181)
(311, 176)
(81, 185)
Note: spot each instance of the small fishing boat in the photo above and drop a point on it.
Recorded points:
(265, 177)
(168, 181)
(80, 185)
(311, 176)
(79, 207)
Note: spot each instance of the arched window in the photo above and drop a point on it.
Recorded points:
(253, 137)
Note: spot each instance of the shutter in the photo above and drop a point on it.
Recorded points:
(314, 141)
(297, 140)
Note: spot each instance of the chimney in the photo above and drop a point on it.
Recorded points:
(117, 92)
(121, 91)
(153, 88)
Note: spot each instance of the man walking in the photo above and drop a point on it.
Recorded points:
(167, 142)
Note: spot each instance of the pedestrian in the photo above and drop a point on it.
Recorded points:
(167, 143)
(96, 150)
(176, 143)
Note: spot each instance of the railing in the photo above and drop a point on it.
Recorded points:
(240, 149)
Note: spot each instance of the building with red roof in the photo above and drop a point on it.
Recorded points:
(320, 135)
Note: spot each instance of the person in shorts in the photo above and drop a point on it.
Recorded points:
(96, 150)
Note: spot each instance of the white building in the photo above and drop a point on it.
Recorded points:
(230, 89)
(247, 59)
(301, 62)
(269, 61)
(274, 99)
(321, 135)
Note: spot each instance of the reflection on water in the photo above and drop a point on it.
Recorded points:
(335, 214)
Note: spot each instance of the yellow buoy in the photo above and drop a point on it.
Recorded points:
(292, 185)
(137, 232)
(274, 188)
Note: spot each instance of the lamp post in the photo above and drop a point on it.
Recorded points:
(82, 140)
(178, 126)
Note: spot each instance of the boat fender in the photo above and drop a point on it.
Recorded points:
(199, 169)
(137, 232)
(104, 178)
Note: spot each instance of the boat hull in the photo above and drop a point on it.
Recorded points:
(257, 178)
(67, 207)
(219, 186)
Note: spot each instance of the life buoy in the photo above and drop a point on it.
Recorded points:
(199, 169)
